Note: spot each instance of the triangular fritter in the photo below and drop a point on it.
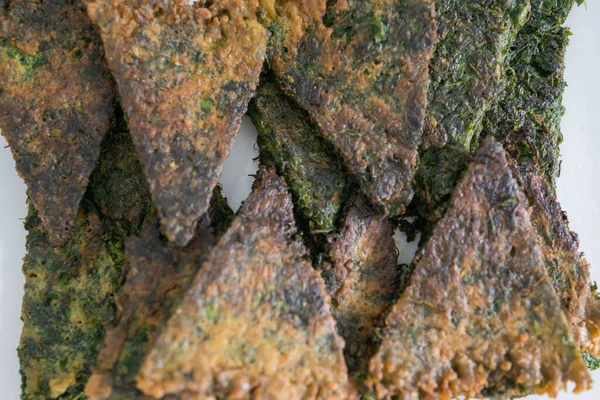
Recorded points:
(360, 68)
(481, 313)
(256, 318)
(535, 82)
(363, 278)
(57, 99)
(157, 276)
(185, 71)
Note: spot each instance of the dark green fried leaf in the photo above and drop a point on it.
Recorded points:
(290, 142)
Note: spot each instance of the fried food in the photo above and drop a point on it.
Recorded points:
(185, 71)
(526, 119)
(480, 315)
(69, 291)
(290, 142)
(256, 319)
(156, 278)
(364, 280)
(57, 99)
(361, 72)
(466, 75)
(526, 115)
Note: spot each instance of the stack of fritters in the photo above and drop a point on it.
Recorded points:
(141, 283)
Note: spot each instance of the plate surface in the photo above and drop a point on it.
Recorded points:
(578, 189)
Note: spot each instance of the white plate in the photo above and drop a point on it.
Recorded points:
(578, 188)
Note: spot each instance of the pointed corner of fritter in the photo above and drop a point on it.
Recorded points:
(57, 102)
(361, 72)
(185, 71)
(481, 314)
(256, 319)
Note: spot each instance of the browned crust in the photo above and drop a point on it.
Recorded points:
(361, 72)
(256, 320)
(185, 74)
(481, 313)
(363, 278)
(56, 102)
(157, 277)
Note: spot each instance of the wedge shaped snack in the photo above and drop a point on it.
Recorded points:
(480, 314)
(255, 320)
(361, 71)
(156, 278)
(526, 119)
(526, 115)
(57, 99)
(185, 71)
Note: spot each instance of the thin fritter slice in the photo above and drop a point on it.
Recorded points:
(56, 103)
(480, 315)
(69, 291)
(466, 75)
(157, 277)
(256, 320)
(360, 68)
(290, 142)
(185, 71)
(364, 280)
(526, 119)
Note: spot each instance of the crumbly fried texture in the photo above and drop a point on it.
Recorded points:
(157, 277)
(363, 279)
(56, 102)
(361, 71)
(290, 142)
(69, 291)
(481, 314)
(526, 119)
(568, 269)
(185, 71)
(256, 320)
(466, 75)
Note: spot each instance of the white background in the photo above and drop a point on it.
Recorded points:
(578, 188)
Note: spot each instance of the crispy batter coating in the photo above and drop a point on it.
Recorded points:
(481, 314)
(364, 280)
(466, 75)
(57, 99)
(157, 277)
(185, 71)
(361, 71)
(290, 142)
(568, 269)
(526, 119)
(69, 290)
(256, 320)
